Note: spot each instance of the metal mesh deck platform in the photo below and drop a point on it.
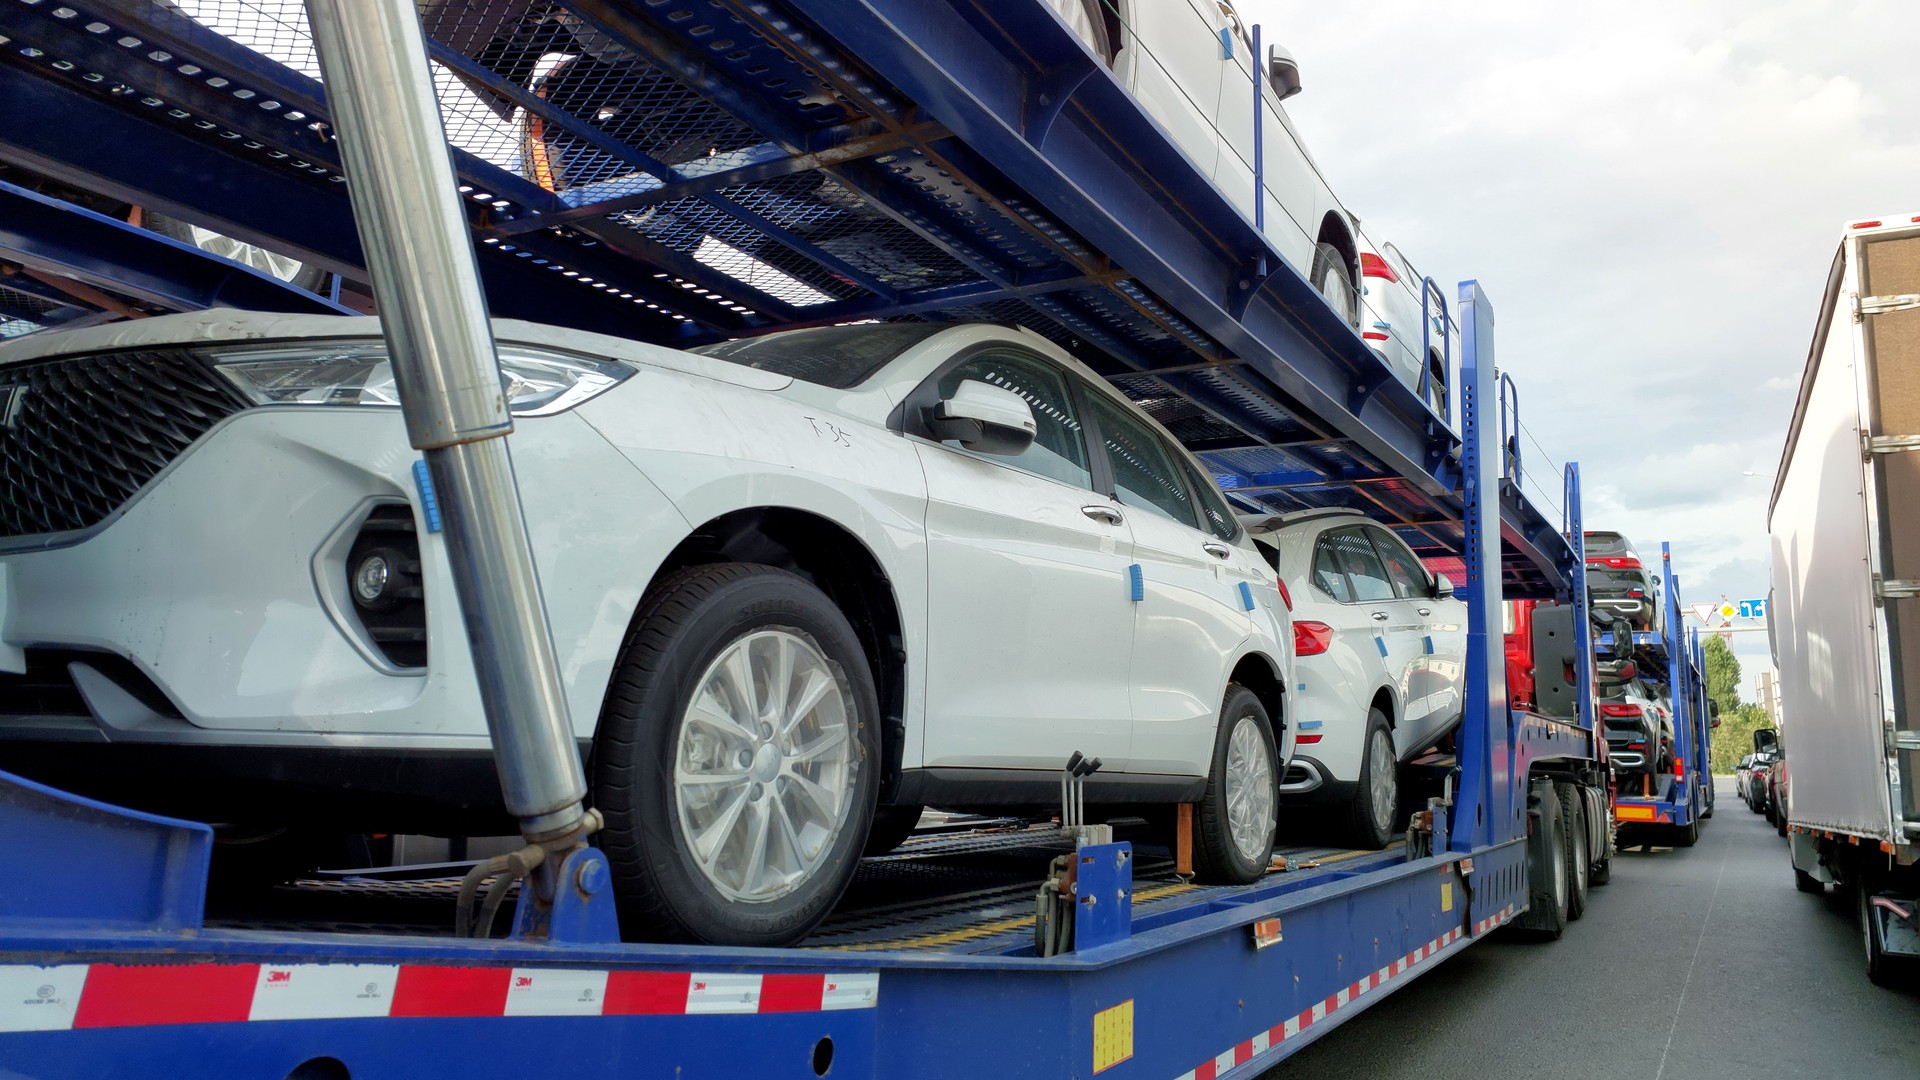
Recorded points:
(966, 891)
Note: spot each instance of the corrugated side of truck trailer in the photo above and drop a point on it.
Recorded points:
(1826, 626)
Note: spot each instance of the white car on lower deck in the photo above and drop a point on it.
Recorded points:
(790, 579)
(1380, 646)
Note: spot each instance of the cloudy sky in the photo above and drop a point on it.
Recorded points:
(1651, 194)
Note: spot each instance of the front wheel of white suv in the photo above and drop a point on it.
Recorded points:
(1237, 815)
(1376, 796)
(734, 761)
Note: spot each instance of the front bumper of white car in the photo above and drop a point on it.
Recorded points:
(205, 637)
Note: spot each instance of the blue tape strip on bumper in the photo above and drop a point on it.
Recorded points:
(429, 503)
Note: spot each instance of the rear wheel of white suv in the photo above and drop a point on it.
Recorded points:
(734, 762)
(1237, 815)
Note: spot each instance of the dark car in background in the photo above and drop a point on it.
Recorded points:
(1618, 583)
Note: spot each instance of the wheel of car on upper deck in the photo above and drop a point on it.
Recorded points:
(735, 757)
(1334, 281)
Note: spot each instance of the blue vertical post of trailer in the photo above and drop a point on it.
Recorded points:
(1577, 596)
(1486, 794)
(1680, 691)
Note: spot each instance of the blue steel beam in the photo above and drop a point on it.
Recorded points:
(52, 129)
(60, 238)
(1482, 807)
(306, 139)
(976, 74)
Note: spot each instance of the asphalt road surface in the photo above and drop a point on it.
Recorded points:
(1691, 963)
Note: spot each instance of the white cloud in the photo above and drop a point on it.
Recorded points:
(1651, 194)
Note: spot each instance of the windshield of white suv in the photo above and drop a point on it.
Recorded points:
(841, 357)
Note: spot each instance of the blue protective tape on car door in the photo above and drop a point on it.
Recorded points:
(429, 503)
(1429, 640)
(1138, 581)
(1382, 642)
(1246, 595)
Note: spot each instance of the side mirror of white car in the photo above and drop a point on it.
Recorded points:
(984, 418)
(1442, 586)
(1283, 72)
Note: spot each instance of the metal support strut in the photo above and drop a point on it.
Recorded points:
(373, 56)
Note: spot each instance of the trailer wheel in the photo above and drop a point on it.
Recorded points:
(1685, 836)
(1234, 828)
(1547, 878)
(1883, 969)
(1806, 882)
(734, 758)
(1573, 822)
(1368, 818)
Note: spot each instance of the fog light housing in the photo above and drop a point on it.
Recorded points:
(383, 576)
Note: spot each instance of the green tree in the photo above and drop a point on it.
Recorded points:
(1733, 739)
(1723, 675)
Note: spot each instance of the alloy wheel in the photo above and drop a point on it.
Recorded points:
(764, 765)
(1249, 780)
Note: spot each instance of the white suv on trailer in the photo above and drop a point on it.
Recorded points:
(790, 579)
(1380, 646)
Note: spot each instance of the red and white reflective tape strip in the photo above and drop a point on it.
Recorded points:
(1492, 921)
(1291, 1027)
(68, 996)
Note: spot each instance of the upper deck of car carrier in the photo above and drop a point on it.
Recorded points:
(946, 160)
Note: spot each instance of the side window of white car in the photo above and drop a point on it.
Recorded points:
(1408, 576)
(1356, 556)
(1327, 575)
(1058, 450)
(1145, 474)
(1213, 507)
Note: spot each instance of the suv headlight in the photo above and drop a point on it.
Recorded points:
(538, 382)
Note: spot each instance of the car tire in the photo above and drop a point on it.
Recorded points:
(694, 857)
(1573, 820)
(1548, 883)
(1780, 821)
(1369, 816)
(891, 827)
(1685, 836)
(1334, 281)
(1233, 841)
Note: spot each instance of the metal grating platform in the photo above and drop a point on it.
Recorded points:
(966, 891)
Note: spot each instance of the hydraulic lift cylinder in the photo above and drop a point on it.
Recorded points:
(373, 57)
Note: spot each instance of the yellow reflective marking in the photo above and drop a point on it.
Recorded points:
(1446, 896)
(1112, 1036)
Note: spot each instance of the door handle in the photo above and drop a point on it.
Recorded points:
(1217, 550)
(1424, 611)
(1108, 514)
(1380, 615)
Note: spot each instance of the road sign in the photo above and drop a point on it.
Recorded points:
(1703, 612)
(1728, 609)
(1753, 609)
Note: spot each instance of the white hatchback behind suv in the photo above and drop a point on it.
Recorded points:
(1380, 647)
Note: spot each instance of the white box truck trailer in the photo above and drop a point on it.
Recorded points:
(1845, 614)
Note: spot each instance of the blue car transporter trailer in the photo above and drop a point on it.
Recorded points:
(1674, 811)
(107, 962)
